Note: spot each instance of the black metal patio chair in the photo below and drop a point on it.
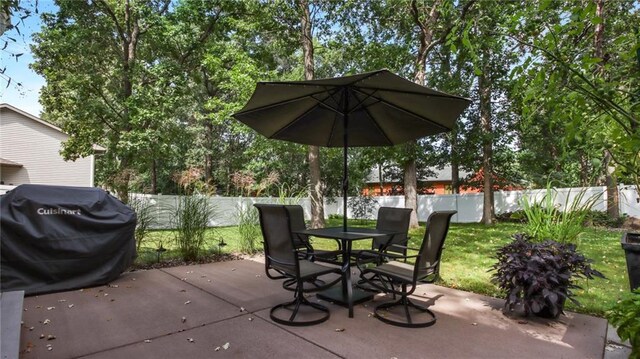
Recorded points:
(389, 219)
(401, 278)
(302, 243)
(282, 258)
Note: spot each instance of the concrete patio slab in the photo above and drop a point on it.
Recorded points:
(616, 348)
(241, 337)
(236, 282)
(150, 308)
(139, 305)
(468, 326)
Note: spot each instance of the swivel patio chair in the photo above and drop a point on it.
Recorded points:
(389, 219)
(281, 257)
(401, 278)
(301, 241)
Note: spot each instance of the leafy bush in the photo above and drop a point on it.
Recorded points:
(362, 207)
(540, 274)
(143, 209)
(546, 221)
(625, 317)
(249, 228)
(601, 219)
(512, 217)
(191, 219)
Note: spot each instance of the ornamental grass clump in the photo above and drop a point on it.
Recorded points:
(145, 219)
(562, 222)
(540, 275)
(191, 220)
(248, 228)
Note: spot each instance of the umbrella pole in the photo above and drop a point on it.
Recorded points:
(345, 179)
(345, 186)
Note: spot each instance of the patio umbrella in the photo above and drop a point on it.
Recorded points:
(370, 109)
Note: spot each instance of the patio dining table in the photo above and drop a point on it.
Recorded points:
(345, 294)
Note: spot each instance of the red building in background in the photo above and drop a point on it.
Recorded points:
(440, 183)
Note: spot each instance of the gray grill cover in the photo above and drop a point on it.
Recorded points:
(58, 238)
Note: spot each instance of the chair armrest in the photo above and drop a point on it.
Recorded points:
(281, 262)
(403, 247)
(372, 252)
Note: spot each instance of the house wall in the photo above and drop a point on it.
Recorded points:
(37, 147)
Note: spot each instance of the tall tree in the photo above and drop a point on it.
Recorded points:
(120, 66)
(90, 55)
(564, 39)
(401, 36)
(613, 206)
(315, 180)
(492, 123)
(485, 89)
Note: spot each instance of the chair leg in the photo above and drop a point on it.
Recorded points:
(406, 304)
(298, 302)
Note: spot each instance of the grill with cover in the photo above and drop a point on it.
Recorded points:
(57, 238)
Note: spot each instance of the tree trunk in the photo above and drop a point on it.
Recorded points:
(613, 200)
(613, 206)
(208, 157)
(410, 191)
(315, 179)
(425, 30)
(380, 179)
(455, 165)
(484, 86)
(154, 177)
(585, 169)
(317, 199)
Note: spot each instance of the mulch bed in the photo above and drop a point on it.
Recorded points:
(179, 262)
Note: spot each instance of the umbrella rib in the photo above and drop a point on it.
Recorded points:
(405, 111)
(320, 103)
(366, 109)
(283, 128)
(439, 94)
(284, 102)
(332, 92)
(334, 123)
(311, 82)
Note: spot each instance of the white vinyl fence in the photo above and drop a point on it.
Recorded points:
(469, 206)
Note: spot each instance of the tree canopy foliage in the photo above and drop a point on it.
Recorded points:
(155, 83)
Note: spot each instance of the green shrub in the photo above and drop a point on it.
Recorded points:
(248, 228)
(512, 217)
(601, 219)
(625, 317)
(546, 221)
(191, 219)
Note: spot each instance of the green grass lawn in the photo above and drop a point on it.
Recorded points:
(466, 259)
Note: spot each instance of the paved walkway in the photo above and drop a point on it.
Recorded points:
(221, 310)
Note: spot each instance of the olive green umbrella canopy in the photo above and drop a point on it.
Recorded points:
(370, 109)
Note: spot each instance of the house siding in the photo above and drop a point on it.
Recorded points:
(37, 147)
